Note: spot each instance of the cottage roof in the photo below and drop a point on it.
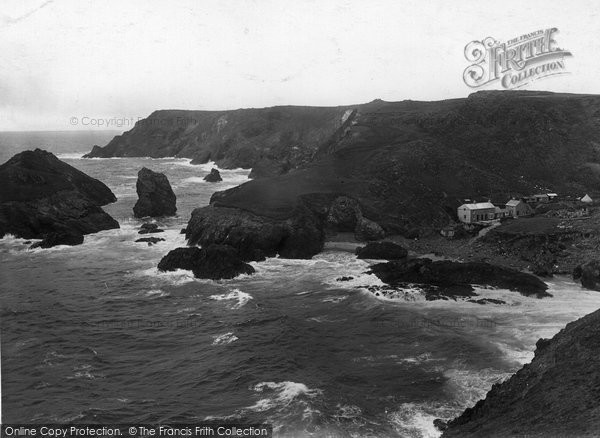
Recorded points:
(513, 202)
(586, 198)
(478, 205)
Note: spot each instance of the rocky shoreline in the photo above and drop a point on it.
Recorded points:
(556, 395)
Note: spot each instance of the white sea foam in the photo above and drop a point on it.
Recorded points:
(84, 372)
(226, 338)
(71, 155)
(416, 419)
(175, 278)
(156, 293)
(281, 394)
(335, 299)
(241, 297)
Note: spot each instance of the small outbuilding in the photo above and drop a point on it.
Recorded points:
(518, 208)
(587, 199)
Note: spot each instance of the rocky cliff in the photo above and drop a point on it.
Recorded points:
(408, 164)
(556, 395)
(270, 140)
(43, 197)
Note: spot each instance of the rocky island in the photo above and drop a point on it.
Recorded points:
(45, 198)
(155, 195)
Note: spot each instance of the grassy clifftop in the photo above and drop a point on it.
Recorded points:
(408, 163)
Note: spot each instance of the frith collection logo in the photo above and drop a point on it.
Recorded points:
(516, 62)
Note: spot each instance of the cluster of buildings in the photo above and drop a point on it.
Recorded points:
(486, 211)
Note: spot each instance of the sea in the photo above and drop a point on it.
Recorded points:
(96, 334)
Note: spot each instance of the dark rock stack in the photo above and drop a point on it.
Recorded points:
(589, 274)
(381, 250)
(256, 237)
(45, 198)
(213, 176)
(213, 262)
(556, 395)
(155, 195)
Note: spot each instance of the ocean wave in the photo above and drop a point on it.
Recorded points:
(226, 338)
(468, 385)
(282, 394)
(236, 294)
(415, 420)
(156, 293)
(335, 299)
(84, 371)
(175, 278)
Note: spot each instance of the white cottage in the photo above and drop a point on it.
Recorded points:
(476, 212)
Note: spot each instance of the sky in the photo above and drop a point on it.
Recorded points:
(102, 60)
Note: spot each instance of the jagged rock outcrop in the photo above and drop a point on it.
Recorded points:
(556, 395)
(67, 237)
(267, 167)
(180, 258)
(149, 228)
(155, 195)
(368, 230)
(45, 198)
(344, 214)
(449, 279)
(381, 250)
(589, 274)
(213, 176)
(213, 262)
(256, 237)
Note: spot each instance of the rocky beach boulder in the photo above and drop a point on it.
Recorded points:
(589, 274)
(149, 228)
(368, 230)
(381, 250)
(213, 262)
(150, 240)
(67, 237)
(213, 176)
(155, 195)
(43, 197)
